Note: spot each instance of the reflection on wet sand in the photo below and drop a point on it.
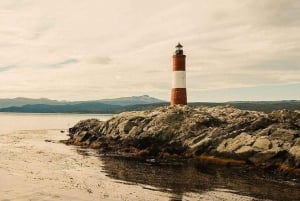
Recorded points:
(181, 179)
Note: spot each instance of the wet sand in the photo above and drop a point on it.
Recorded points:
(34, 169)
(35, 166)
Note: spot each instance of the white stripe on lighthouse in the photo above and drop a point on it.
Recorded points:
(178, 79)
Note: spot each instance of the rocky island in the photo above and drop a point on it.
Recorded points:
(222, 135)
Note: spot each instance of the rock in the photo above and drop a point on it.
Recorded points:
(232, 144)
(286, 116)
(125, 126)
(201, 146)
(185, 131)
(260, 123)
(135, 130)
(283, 133)
(262, 143)
(82, 137)
(264, 157)
(245, 152)
(295, 152)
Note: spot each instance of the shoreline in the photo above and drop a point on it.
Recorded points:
(35, 165)
(279, 171)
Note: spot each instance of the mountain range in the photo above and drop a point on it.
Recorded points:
(117, 105)
(123, 101)
(43, 105)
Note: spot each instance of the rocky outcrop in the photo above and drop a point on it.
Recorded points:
(222, 133)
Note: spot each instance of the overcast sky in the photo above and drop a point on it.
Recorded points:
(94, 49)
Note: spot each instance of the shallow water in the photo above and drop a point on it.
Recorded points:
(181, 179)
(35, 166)
(10, 122)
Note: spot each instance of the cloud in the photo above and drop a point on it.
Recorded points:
(283, 64)
(62, 63)
(6, 68)
(261, 92)
(85, 49)
(99, 60)
(275, 13)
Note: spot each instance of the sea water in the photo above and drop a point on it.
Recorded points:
(10, 122)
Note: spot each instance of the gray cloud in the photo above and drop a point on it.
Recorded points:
(15, 4)
(62, 63)
(291, 64)
(275, 13)
(41, 30)
(6, 68)
(100, 60)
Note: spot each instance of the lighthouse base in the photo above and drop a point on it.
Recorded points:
(178, 96)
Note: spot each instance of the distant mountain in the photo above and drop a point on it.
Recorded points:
(124, 101)
(134, 100)
(68, 108)
(123, 104)
(17, 102)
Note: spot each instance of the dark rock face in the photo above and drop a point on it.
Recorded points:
(202, 132)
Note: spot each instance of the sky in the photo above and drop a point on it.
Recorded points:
(95, 49)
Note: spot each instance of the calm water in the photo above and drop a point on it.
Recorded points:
(183, 178)
(184, 181)
(10, 122)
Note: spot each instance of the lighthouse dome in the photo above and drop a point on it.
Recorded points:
(179, 49)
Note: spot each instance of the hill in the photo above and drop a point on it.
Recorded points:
(134, 100)
(123, 101)
(139, 103)
(69, 108)
(20, 101)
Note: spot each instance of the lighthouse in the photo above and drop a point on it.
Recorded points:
(178, 93)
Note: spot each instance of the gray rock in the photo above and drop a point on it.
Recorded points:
(262, 143)
(264, 156)
(186, 131)
(232, 144)
(295, 152)
(245, 151)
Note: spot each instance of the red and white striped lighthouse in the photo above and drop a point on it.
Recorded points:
(178, 94)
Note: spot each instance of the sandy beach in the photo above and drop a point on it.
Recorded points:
(35, 166)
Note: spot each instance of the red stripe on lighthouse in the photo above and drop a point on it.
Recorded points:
(178, 96)
(178, 62)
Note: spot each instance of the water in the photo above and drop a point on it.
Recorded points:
(192, 177)
(10, 122)
(34, 161)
